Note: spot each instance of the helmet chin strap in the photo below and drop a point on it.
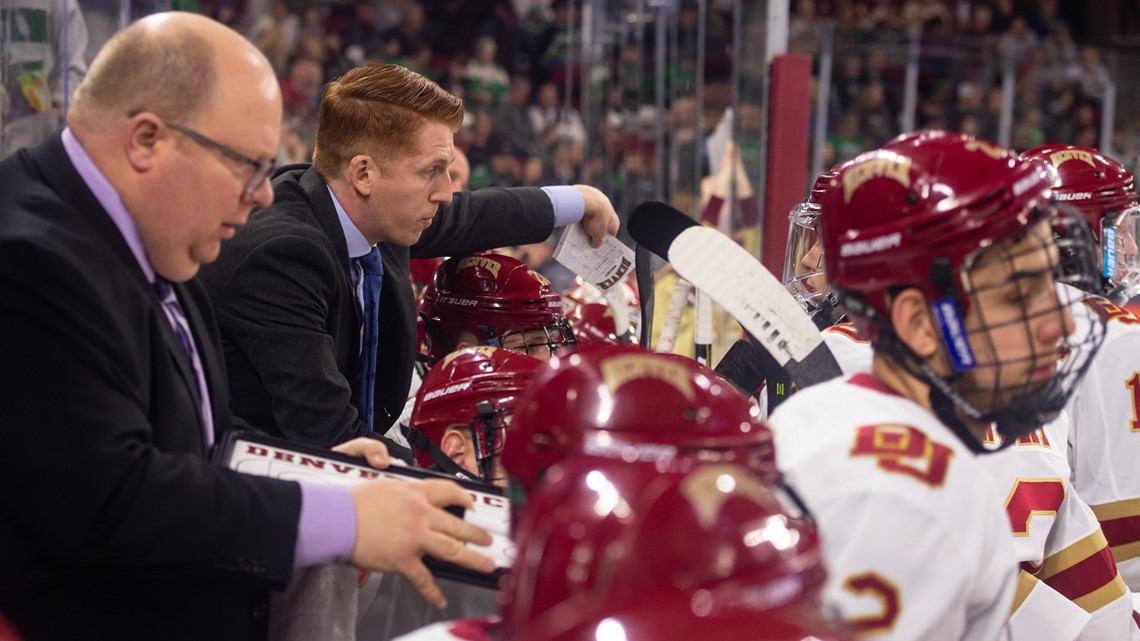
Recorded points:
(947, 404)
(421, 442)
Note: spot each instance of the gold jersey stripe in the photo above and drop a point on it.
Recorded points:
(1073, 554)
(1025, 584)
(1116, 510)
(1103, 595)
(1126, 552)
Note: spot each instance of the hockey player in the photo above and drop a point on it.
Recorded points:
(603, 319)
(952, 221)
(459, 421)
(492, 299)
(639, 513)
(458, 426)
(487, 299)
(1104, 436)
(1068, 589)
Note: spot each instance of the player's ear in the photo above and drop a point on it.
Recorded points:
(454, 445)
(914, 322)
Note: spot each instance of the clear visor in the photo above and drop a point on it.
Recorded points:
(804, 274)
(1120, 258)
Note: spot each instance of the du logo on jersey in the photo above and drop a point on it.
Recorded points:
(619, 370)
(883, 165)
(480, 261)
(708, 488)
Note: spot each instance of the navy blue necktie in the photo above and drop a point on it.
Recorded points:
(372, 270)
(177, 318)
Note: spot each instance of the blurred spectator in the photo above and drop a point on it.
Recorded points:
(1018, 43)
(512, 122)
(553, 119)
(1089, 73)
(554, 43)
(532, 172)
(301, 90)
(1060, 50)
(564, 163)
(847, 140)
(487, 81)
(359, 38)
(409, 34)
(276, 34)
(389, 13)
(804, 28)
(483, 143)
(925, 15)
(505, 170)
(848, 83)
(875, 119)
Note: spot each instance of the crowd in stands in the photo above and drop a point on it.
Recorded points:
(513, 63)
(1060, 81)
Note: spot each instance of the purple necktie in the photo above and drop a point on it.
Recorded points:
(181, 327)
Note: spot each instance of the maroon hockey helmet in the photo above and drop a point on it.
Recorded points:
(594, 324)
(475, 389)
(1103, 191)
(632, 404)
(929, 211)
(607, 536)
(594, 315)
(493, 299)
(422, 271)
(892, 212)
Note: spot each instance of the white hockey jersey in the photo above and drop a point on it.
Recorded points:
(914, 537)
(1059, 543)
(1104, 437)
(1055, 534)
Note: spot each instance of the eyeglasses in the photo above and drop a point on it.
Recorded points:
(262, 169)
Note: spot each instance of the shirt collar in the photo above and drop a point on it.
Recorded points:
(109, 199)
(357, 245)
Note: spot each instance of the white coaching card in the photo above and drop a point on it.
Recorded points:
(261, 455)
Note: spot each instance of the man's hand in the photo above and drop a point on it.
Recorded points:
(398, 522)
(368, 449)
(599, 218)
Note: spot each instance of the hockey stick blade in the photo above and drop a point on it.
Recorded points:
(655, 225)
(714, 263)
(743, 366)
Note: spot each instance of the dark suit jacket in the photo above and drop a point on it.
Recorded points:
(112, 524)
(289, 317)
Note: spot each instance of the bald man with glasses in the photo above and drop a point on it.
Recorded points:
(112, 382)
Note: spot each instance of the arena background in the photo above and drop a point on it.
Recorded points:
(810, 82)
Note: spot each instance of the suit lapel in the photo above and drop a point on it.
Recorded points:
(324, 212)
(54, 166)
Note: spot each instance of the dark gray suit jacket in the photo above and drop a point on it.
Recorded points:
(112, 524)
(288, 313)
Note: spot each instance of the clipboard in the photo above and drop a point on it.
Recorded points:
(262, 455)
